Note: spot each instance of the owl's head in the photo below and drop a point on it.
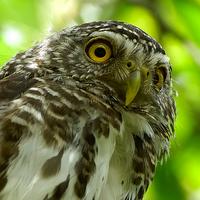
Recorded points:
(119, 54)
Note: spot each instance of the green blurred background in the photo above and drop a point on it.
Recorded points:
(174, 23)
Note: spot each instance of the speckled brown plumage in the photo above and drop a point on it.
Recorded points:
(86, 113)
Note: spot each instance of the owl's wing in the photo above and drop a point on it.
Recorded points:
(14, 85)
(13, 81)
(56, 141)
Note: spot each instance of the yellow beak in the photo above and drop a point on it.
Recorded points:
(133, 86)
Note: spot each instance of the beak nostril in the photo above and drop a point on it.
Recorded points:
(129, 64)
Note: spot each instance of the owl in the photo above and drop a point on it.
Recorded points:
(85, 114)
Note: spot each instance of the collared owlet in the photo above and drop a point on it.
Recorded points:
(86, 114)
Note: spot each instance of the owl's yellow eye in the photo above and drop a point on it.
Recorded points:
(160, 76)
(99, 50)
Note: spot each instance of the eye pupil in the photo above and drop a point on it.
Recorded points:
(100, 52)
(156, 79)
(160, 77)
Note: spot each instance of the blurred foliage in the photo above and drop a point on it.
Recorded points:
(174, 23)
